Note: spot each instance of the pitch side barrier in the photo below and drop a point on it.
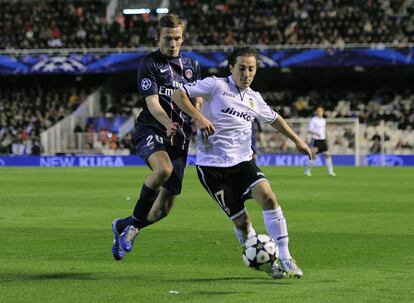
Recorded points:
(114, 60)
(264, 159)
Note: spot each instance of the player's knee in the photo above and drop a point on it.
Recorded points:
(163, 173)
(269, 201)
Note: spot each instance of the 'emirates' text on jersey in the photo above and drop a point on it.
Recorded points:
(159, 75)
(232, 112)
(317, 125)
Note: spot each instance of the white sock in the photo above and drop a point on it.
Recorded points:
(242, 236)
(277, 229)
(309, 165)
(329, 165)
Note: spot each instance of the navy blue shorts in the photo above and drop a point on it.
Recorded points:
(148, 141)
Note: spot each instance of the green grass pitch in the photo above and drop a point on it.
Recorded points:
(353, 236)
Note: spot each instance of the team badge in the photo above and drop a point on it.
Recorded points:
(251, 103)
(145, 84)
(188, 73)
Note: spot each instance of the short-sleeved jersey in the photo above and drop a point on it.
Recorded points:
(160, 75)
(232, 112)
(318, 125)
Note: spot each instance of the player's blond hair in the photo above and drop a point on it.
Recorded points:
(171, 21)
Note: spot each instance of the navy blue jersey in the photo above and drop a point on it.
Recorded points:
(160, 75)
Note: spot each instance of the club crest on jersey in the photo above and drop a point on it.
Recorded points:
(231, 111)
(145, 84)
(188, 73)
(251, 102)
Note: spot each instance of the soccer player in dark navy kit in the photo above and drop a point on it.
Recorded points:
(162, 132)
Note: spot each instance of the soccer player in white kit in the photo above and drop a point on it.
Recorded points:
(224, 155)
(317, 129)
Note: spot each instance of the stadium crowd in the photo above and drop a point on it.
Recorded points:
(394, 108)
(83, 24)
(25, 113)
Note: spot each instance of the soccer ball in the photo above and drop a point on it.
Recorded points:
(260, 252)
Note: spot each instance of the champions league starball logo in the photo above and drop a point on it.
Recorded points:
(188, 74)
(145, 84)
(58, 64)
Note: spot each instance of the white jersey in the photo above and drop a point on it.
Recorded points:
(318, 125)
(232, 112)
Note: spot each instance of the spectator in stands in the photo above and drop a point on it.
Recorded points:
(36, 146)
(333, 23)
(25, 113)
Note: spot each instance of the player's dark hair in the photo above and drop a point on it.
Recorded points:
(170, 21)
(243, 50)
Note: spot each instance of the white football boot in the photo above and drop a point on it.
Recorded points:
(291, 269)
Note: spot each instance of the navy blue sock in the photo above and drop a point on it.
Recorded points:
(143, 207)
(121, 224)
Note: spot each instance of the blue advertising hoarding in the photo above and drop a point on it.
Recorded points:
(264, 159)
(105, 63)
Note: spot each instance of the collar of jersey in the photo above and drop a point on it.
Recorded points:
(168, 58)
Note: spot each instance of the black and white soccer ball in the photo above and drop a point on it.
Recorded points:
(260, 252)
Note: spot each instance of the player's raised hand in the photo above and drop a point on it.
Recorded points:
(304, 149)
(172, 129)
(205, 126)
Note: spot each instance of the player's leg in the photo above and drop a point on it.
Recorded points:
(216, 182)
(151, 211)
(162, 169)
(129, 227)
(310, 162)
(160, 209)
(329, 164)
(243, 228)
(219, 183)
(170, 189)
(152, 149)
(162, 206)
(276, 226)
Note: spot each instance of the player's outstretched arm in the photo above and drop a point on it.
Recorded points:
(181, 100)
(159, 113)
(281, 125)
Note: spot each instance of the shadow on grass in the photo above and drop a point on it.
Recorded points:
(216, 293)
(248, 280)
(47, 276)
(15, 277)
